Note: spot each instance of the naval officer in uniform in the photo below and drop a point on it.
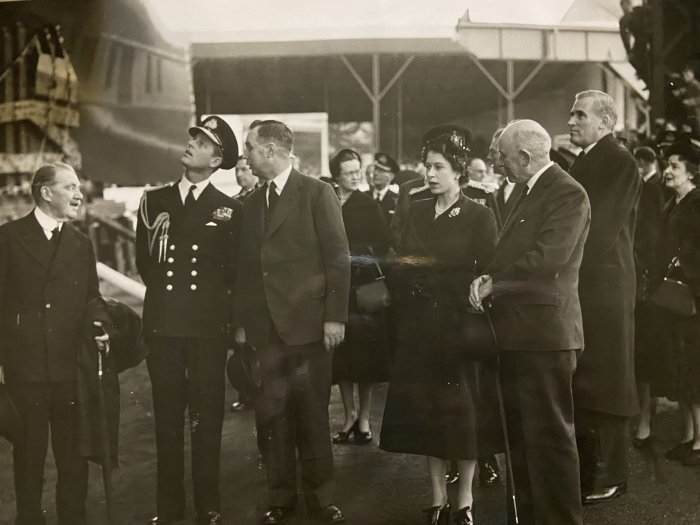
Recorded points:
(186, 239)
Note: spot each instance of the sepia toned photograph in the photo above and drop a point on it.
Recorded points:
(382, 262)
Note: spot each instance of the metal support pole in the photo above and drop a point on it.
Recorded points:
(510, 88)
(399, 120)
(376, 103)
(376, 94)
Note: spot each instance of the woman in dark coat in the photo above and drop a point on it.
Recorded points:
(679, 250)
(430, 406)
(364, 356)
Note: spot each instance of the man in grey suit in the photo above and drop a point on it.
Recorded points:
(291, 304)
(533, 286)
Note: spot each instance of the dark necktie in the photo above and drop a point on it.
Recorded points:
(53, 242)
(272, 196)
(190, 200)
(579, 157)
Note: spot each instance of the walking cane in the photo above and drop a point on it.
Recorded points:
(102, 352)
(504, 426)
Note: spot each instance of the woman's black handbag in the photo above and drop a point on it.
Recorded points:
(675, 296)
(373, 296)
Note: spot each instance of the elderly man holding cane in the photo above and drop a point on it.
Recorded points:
(532, 285)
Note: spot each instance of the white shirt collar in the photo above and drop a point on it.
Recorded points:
(533, 180)
(47, 223)
(382, 193)
(281, 180)
(184, 187)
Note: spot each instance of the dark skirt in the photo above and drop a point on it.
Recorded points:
(364, 355)
(684, 358)
(651, 350)
(430, 407)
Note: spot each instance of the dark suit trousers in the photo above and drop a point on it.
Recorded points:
(41, 405)
(293, 411)
(603, 443)
(187, 372)
(540, 416)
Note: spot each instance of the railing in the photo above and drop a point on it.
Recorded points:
(114, 242)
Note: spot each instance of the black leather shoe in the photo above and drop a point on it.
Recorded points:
(212, 518)
(437, 515)
(488, 474)
(362, 438)
(464, 516)
(238, 406)
(692, 458)
(276, 515)
(678, 452)
(329, 514)
(166, 519)
(605, 494)
(343, 436)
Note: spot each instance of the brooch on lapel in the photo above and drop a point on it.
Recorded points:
(454, 212)
(222, 214)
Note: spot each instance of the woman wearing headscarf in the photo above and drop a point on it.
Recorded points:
(430, 408)
(363, 358)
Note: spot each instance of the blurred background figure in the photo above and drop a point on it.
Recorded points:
(245, 179)
(384, 171)
(648, 358)
(363, 357)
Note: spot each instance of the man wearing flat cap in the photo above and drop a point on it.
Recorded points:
(186, 241)
(385, 169)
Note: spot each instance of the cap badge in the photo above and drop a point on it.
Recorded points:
(210, 124)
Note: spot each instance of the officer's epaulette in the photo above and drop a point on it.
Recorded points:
(488, 188)
(413, 191)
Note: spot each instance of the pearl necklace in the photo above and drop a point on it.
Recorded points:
(440, 211)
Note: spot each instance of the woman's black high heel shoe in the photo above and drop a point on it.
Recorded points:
(464, 516)
(343, 436)
(362, 438)
(437, 515)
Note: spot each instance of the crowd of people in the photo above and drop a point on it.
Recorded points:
(587, 274)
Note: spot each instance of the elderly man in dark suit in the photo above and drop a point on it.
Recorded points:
(533, 286)
(186, 241)
(292, 305)
(604, 385)
(47, 277)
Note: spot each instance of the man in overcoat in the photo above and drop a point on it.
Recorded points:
(47, 277)
(186, 241)
(604, 385)
(533, 286)
(292, 305)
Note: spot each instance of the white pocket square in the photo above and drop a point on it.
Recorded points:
(210, 224)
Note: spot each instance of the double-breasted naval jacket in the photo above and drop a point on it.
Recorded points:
(189, 266)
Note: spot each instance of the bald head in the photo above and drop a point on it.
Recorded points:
(523, 149)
